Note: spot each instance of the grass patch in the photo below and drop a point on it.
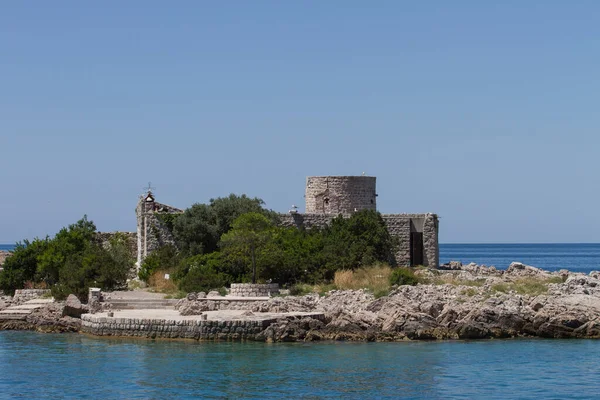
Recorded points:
(502, 287)
(453, 280)
(528, 286)
(469, 292)
(177, 295)
(302, 289)
(375, 278)
(159, 284)
(557, 279)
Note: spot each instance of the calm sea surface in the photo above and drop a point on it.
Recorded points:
(574, 257)
(36, 365)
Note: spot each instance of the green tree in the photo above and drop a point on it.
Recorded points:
(202, 273)
(95, 266)
(199, 229)
(21, 266)
(356, 242)
(249, 233)
(68, 241)
(292, 256)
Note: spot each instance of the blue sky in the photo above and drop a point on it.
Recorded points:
(484, 114)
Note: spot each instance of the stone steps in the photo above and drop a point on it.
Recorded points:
(21, 312)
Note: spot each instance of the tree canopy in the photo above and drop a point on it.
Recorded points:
(249, 233)
(199, 229)
(69, 263)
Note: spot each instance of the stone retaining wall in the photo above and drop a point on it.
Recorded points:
(23, 295)
(200, 305)
(178, 329)
(254, 289)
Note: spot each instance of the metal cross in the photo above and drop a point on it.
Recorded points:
(149, 189)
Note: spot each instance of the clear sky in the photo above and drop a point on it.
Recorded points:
(485, 114)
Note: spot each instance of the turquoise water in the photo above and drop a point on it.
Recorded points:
(76, 366)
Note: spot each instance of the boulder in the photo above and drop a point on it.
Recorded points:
(73, 307)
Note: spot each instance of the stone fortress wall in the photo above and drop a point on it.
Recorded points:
(326, 198)
(329, 196)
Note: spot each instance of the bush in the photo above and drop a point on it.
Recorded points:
(201, 274)
(355, 242)
(164, 258)
(403, 276)
(21, 266)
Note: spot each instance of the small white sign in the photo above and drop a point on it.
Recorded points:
(167, 276)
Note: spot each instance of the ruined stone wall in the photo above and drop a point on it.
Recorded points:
(340, 194)
(254, 289)
(104, 239)
(23, 295)
(306, 221)
(152, 233)
(400, 226)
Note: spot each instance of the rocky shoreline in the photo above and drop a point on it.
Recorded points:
(456, 302)
(461, 302)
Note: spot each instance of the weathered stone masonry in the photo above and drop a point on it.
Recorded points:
(191, 328)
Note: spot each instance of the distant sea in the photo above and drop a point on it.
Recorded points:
(552, 256)
(572, 256)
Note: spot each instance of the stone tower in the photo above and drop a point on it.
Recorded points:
(340, 194)
(152, 232)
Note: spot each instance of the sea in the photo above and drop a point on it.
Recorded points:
(35, 365)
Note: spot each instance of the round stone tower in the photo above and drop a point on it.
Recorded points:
(340, 194)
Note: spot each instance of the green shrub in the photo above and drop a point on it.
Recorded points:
(200, 273)
(163, 258)
(403, 276)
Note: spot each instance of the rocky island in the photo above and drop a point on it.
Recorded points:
(457, 302)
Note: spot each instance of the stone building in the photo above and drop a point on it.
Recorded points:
(329, 196)
(326, 197)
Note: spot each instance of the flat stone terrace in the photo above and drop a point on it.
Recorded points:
(211, 325)
(21, 312)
